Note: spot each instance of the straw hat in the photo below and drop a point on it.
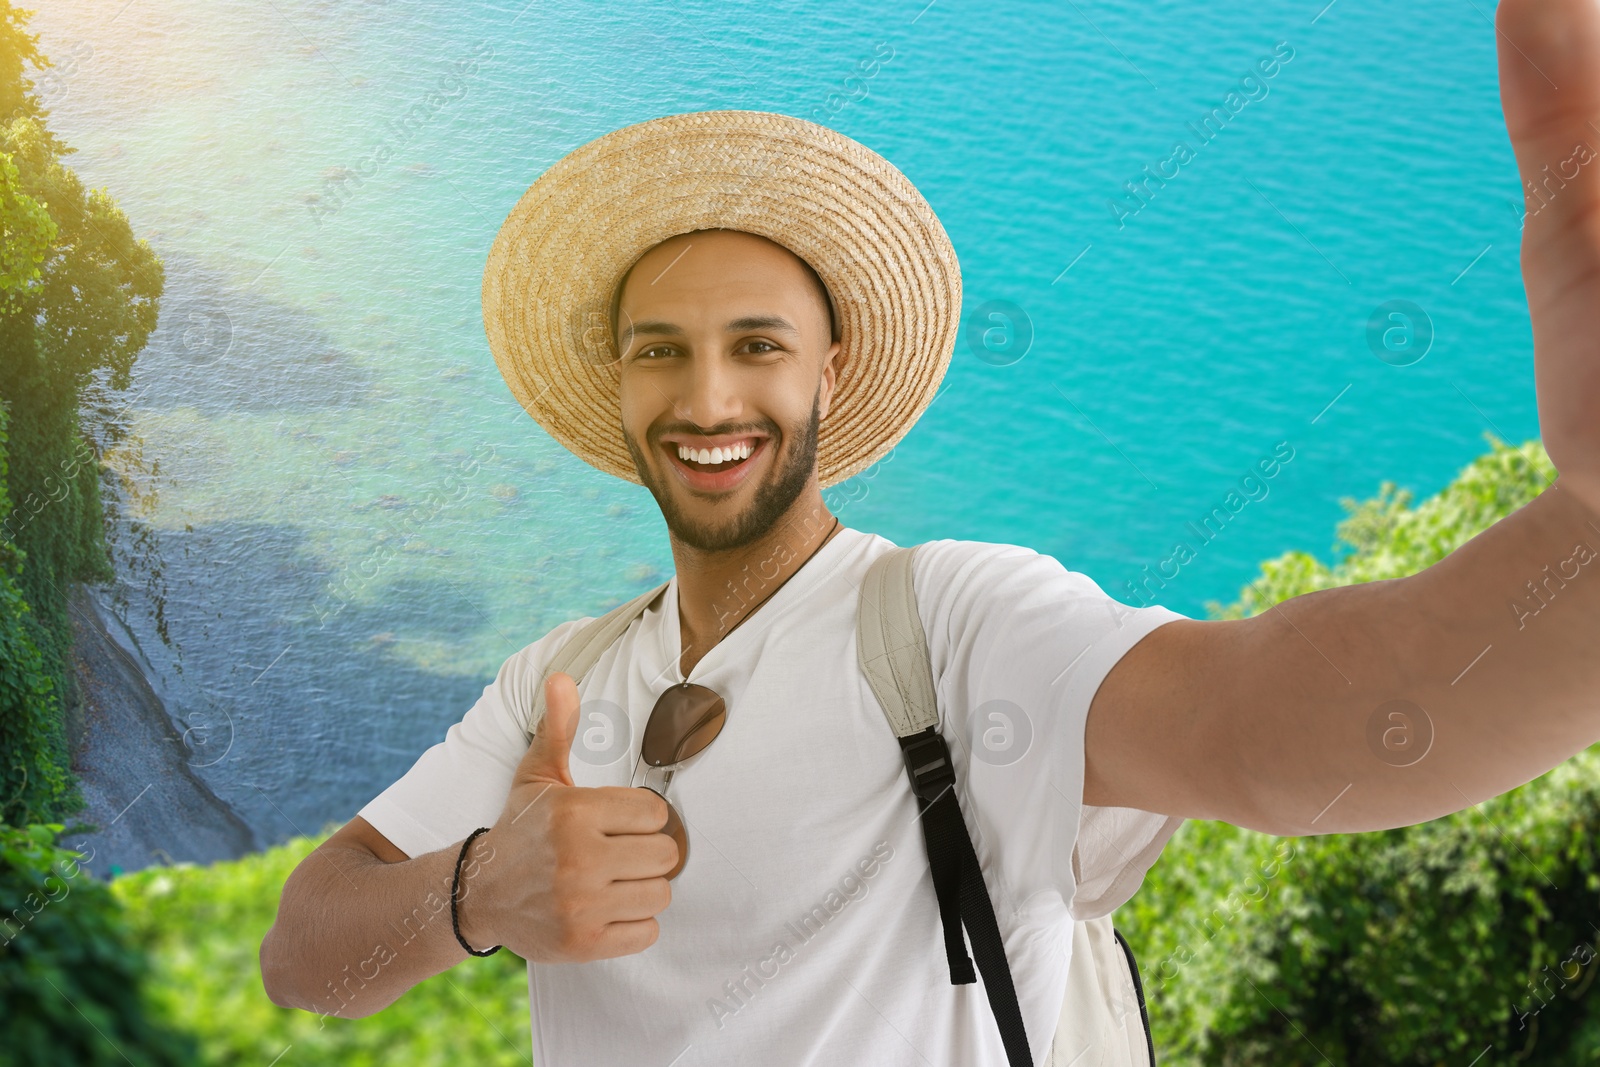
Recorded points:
(838, 205)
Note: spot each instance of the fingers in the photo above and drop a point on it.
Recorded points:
(546, 759)
(618, 809)
(625, 938)
(630, 901)
(627, 857)
(545, 814)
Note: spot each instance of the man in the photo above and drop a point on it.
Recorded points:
(736, 309)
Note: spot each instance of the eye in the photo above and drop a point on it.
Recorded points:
(646, 353)
(766, 346)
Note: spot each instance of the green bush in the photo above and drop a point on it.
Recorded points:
(69, 978)
(205, 925)
(79, 297)
(1422, 945)
(34, 782)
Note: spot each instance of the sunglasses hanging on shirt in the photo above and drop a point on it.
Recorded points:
(686, 718)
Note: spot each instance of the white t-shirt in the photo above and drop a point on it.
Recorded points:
(804, 927)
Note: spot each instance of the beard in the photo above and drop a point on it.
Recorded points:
(793, 468)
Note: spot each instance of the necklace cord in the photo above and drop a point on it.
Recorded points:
(831, 531)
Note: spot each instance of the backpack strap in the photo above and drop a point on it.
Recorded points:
(579, 652)
(893, 653)
(892, 647)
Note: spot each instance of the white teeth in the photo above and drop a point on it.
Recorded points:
(740, 451)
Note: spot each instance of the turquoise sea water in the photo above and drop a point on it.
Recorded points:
(353, 521)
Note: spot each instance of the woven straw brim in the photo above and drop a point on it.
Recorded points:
(860, 223)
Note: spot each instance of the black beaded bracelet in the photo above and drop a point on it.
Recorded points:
(455, 896)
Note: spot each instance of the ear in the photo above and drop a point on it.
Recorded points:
(830, 375)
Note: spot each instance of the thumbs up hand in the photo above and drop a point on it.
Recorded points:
(579, 873)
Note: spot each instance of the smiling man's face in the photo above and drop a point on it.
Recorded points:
(725, 348)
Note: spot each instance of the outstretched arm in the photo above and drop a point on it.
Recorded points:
(1487, 664)
(1368, 706)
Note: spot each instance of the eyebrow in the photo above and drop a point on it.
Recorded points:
(749, 322)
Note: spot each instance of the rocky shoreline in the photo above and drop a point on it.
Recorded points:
(132, 764)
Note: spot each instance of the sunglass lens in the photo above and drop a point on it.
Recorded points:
(686, 718)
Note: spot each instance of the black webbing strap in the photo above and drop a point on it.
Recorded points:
(958, 883)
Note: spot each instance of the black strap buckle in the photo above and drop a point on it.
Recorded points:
(928, 762)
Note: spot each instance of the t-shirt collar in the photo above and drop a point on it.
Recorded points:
(794, 591)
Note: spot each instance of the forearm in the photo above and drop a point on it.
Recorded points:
(353, 932)
(1493, 650)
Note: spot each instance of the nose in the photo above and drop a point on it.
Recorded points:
(709, 395)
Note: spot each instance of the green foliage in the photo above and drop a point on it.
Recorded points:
(1419, 946)
(1414, 946)
(205, 925)
(97, 297)
(78, 300)
(34, 783)
(77, 297)
(26, 233)
(69, 977)
(19, 50)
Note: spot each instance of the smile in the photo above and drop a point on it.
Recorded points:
(719, 467)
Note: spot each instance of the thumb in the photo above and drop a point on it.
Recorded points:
(546, 758)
